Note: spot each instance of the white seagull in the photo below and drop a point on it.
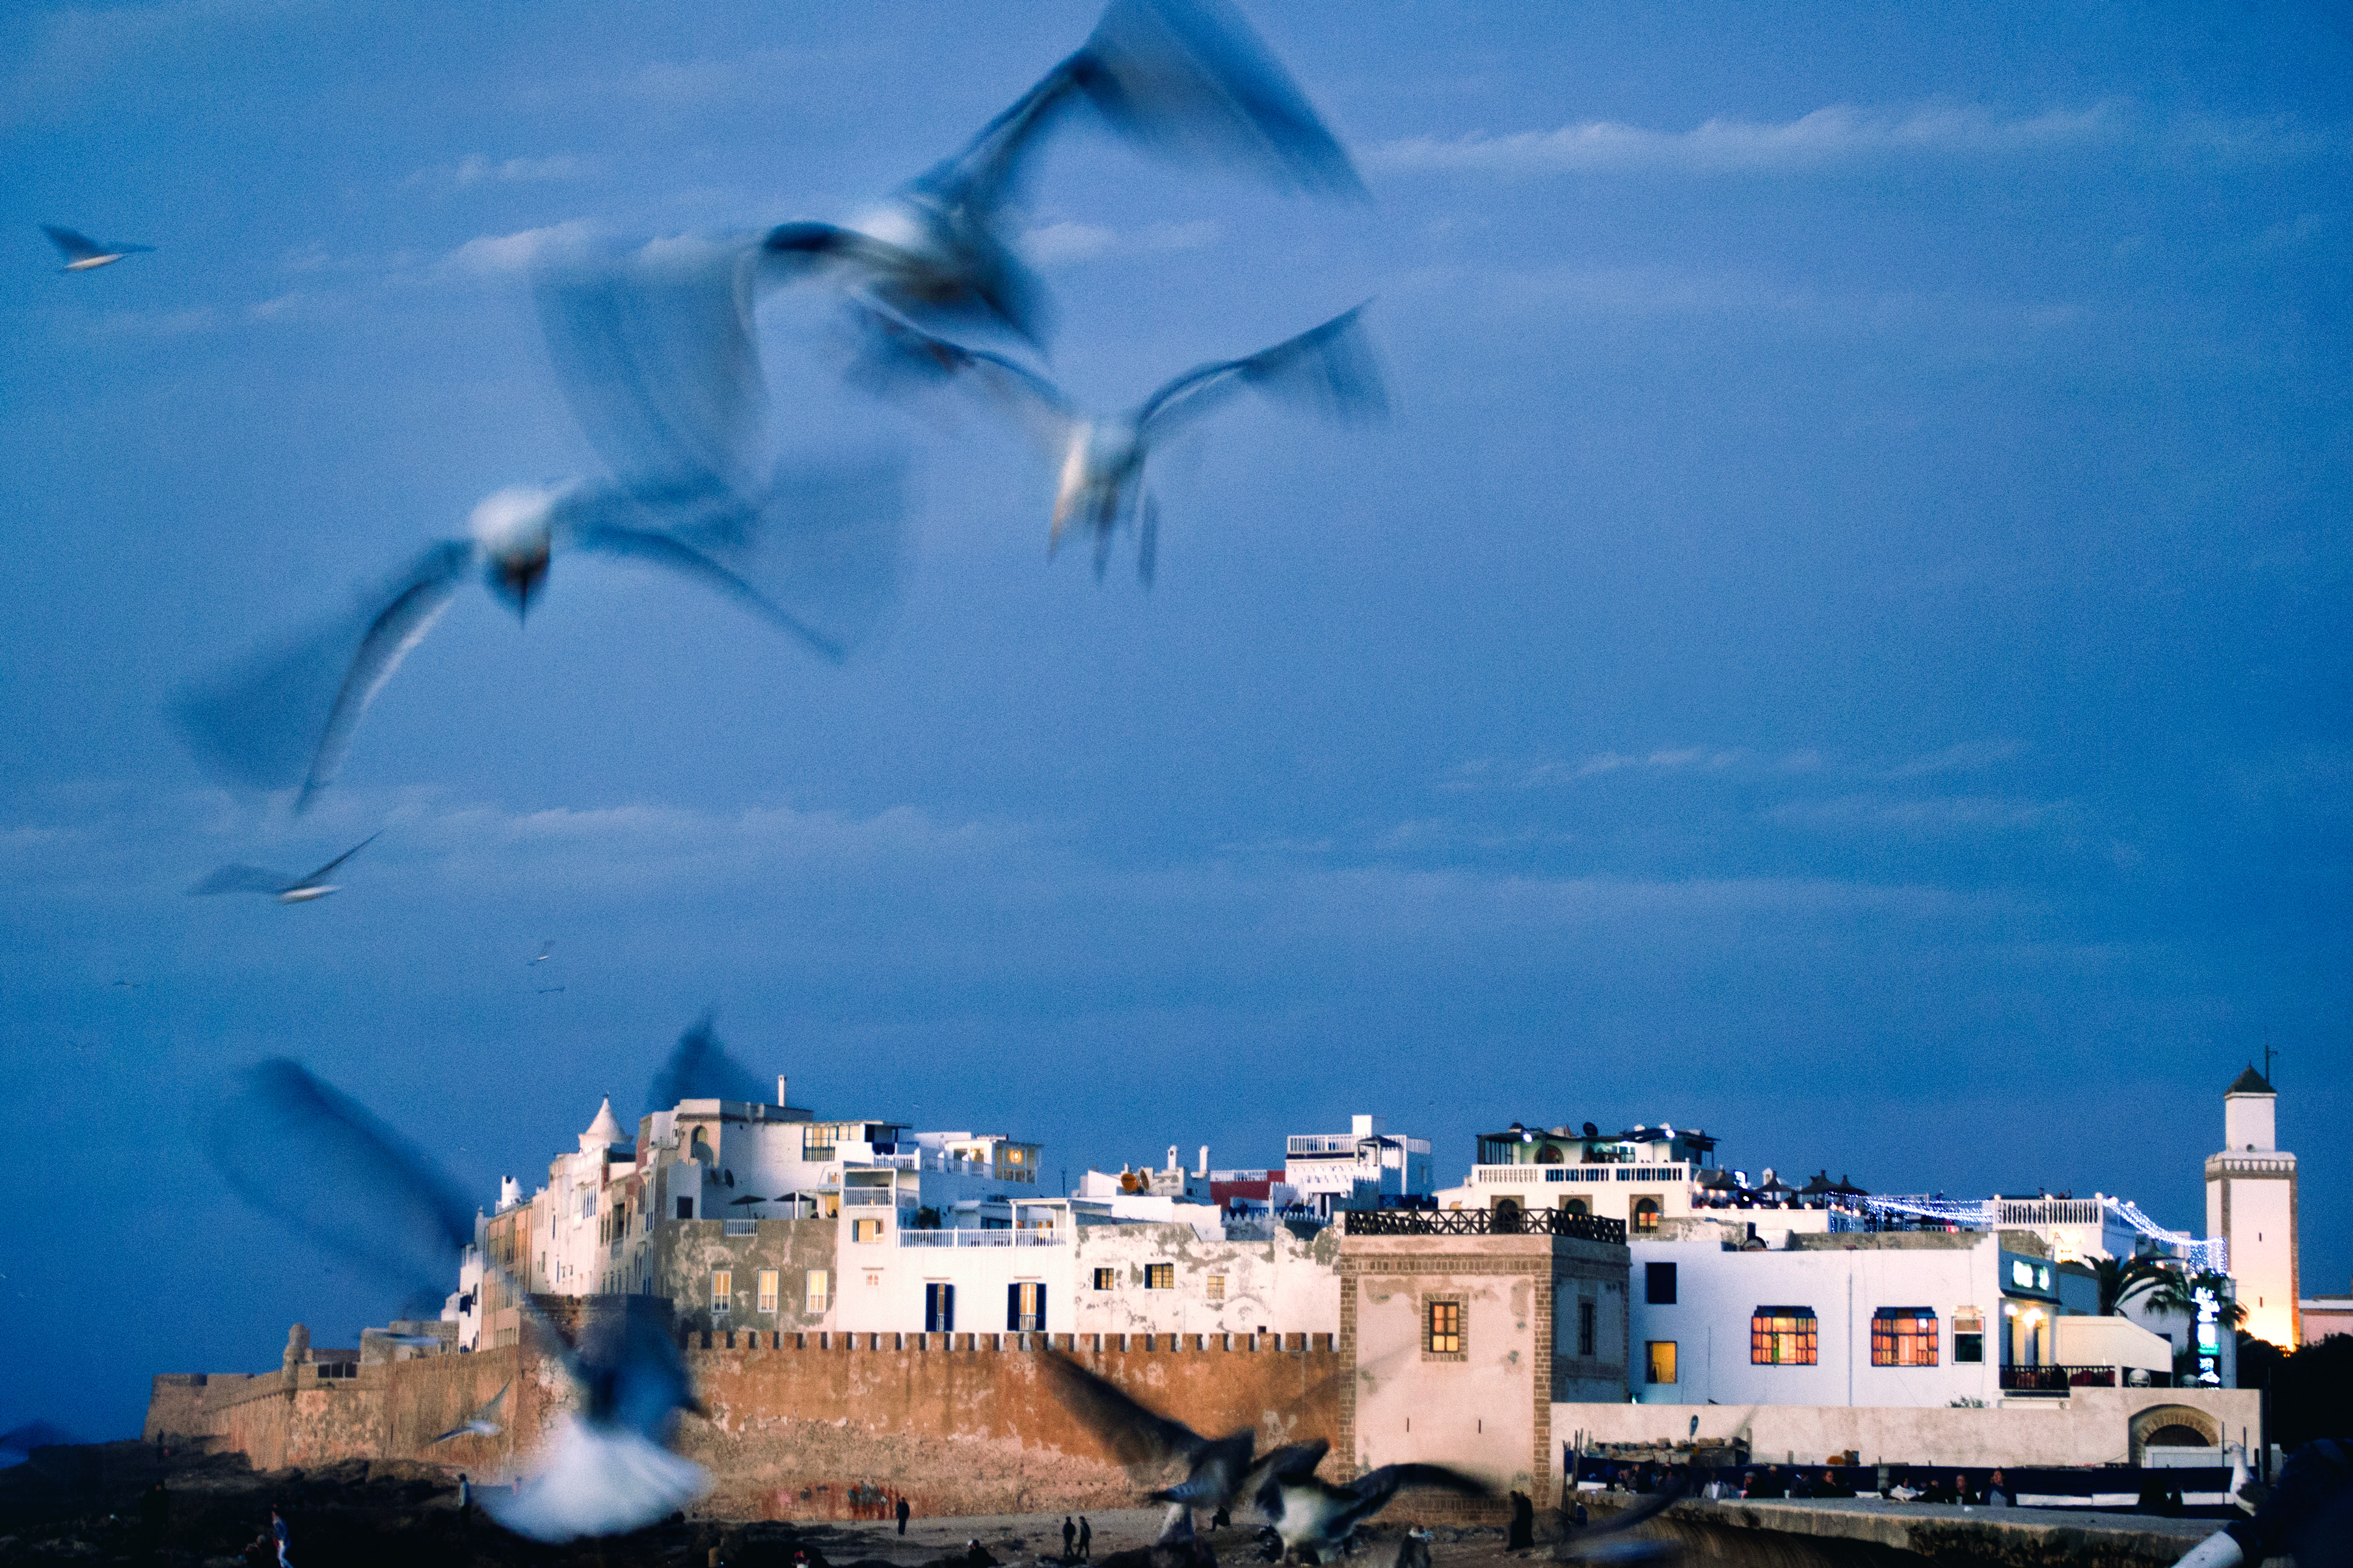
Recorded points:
(656, 354)
(286, 890)
(83, 253)
(1184, 76)
(1099, 485)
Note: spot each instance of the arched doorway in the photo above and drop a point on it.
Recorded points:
(1575, 1206)
(1550, 1155)
(2173, 1426)
(1507, 1217)
(1646, 1216)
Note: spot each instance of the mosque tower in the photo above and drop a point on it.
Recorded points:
(2250, 1205)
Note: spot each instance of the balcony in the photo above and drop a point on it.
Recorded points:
(2054, 1381)
(980, 1238)
(1535, 1175)
(1485, 1222)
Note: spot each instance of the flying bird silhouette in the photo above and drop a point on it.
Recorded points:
(1183, 77)
(83, 253)
(285, 888)
(656, 355)
(1137, 1435)
(1100, 483)
(699, 1069)
(546, 950)
(1310, 1514)
(1606, 1540)
(485, 1420)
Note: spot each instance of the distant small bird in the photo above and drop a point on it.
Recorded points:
(549, 990)
(544, 950)
(83, 253)
(485, 1420)
(1101, 481)
(1310, 1514)
(1186, 77)
(286, 890)
(657, 359)
(1136, 1435)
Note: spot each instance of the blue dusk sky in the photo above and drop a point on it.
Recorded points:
(1832, 645)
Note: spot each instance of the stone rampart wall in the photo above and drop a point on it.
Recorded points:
(807, 1426)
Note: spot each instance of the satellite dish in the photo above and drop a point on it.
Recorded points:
(1591, 1130)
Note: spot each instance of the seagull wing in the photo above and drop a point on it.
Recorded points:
(1135, 1433)
(655, 354)
(1187, 79)
(821, 549)
(1573, 1548)
(896, 358)
(72, 245)
(699, 1069)
(1291, 1465)
(1331, 367)
(243, 880)
(321, 873)
(300, 1151)
(286, 716)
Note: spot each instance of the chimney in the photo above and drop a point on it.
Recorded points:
(1172, 1156)
(1204, 1171)
(780, 1088)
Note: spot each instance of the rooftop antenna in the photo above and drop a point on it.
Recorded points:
(2268, 1053)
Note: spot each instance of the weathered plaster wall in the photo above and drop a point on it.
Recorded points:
(1283, 1285)
(686, 1254)
(2092, 1427)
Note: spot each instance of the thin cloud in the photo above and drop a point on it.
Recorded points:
(1498, 773)
(1059, 244)
(1966, 757)
(495, 254)
(1839, 134)
(1948, 814)
(476, 170)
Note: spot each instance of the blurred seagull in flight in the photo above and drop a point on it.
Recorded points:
(1310, 1514)
(546, 949)
(83, 253)
(299, 1150)
(1099, 484)
(1136, 1435)
(483, 1422)
(1187, 77)
(286, 890)
(656, 359)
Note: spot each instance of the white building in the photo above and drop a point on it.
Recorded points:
(2250, 1205)
(1918, 1318)
(1355, 1169)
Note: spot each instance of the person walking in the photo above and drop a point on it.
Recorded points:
(904, 1513)
(464, 1505)
(1069, 1534)
(1086, 1540)
(279, 1535)
(1524, 1523)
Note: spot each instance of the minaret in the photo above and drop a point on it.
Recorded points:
(2250, 1205)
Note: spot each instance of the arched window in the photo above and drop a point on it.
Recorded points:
(1646, 1216)
(1507, 1217)
(1575, 1205)
(701, 1148)
(1550, 1154)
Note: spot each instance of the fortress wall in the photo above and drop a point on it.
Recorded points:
(804, 1426)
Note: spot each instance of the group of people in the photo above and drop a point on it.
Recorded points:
(1078, 1539)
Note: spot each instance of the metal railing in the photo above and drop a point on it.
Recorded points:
(1532, 1176)
(980, 1238)
(1484, 1222)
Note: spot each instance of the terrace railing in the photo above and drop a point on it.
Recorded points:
(1502, 1221)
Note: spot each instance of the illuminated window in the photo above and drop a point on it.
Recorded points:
(1160, 1276)
(1903, 1336)
(1659, 1362)
(1646, 1216)
(939, 1307)
(1783, 1336)
(1106, 1279)
(819, 1286)
(1968, 1334)
(767, 1290)
(1441, 1326)
(723, 1292)
(1216, 1287)
(1024, 1308)
(866, 1230)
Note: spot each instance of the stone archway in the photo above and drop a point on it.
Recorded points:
(2173, 1426)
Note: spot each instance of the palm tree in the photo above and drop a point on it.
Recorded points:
(2142, 1274)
